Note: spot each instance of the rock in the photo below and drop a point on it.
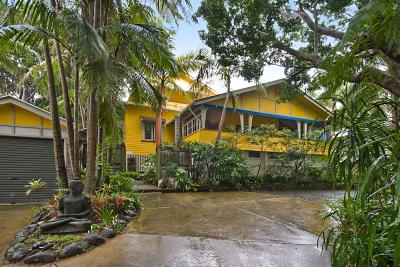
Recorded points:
(74, 249)
(108, 233)
(38, 245)
(40, 215)
(24, 233)
(94, 239)
(18, 255)
(120, 221)
(127, 218)
(41, 257)
(131, 213)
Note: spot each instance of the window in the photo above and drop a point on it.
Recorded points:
(191, 126)
(254, 154)
(149, 129)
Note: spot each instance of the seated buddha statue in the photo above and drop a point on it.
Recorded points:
(73, 212)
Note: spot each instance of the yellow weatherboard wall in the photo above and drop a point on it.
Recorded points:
(22, 117)
(6, 114)
(266, 101)
(133, 129)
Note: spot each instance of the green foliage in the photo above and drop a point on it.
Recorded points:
(150, 175)
(114, 198)
(364, 153)
(58, 241)
(224, 165)
(94, 228)
(183, 182)
(122, 182)
(34, 185)
(107, 214)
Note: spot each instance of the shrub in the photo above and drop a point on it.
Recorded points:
(224, 165)
(121, 181)
(150, 175)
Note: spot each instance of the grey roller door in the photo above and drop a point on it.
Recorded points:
(21, 160)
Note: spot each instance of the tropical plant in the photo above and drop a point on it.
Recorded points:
(364, 152)
(121, 182)
(108, 45)
(224, 165)
(34, 185)
(165, 77)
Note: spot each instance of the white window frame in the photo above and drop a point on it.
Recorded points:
(191, 126)
(153, 130)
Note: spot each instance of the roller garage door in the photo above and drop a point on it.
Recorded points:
(21, 160)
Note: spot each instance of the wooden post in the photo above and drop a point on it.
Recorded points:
(177, 130)
(241, 122)
(250, 121)
(203, 117)
(299, 129)
(305, 130)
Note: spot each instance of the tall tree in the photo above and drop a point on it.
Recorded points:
(57, 139)
(356, 39)
(67, 104)
(165, 78)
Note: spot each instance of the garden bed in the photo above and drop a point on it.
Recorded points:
(113, 206)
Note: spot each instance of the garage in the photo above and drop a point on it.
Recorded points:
(21, 160)
(26, 151)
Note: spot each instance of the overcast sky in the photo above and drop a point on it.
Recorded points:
(187, 39)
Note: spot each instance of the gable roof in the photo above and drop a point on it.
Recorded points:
(255, 88)
(27, 106)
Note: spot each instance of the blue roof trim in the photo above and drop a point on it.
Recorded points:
(245, 111)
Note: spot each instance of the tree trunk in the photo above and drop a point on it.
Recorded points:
(159, 118)
(62, 177)
(90, 181)
(67, 107)
(159, 127)
(76, 121)
(221, 121)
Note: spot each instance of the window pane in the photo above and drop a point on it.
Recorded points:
(149, 129)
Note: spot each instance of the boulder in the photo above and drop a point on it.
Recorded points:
(131, 213)
(107, 233)
(74, 249)
(17, 254)
(127, 218)
(41, 257)
(94, 240)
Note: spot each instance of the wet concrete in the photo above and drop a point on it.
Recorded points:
(12, 219)
(312, 195)
(215, 229)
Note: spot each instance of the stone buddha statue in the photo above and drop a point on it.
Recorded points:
(73, 212)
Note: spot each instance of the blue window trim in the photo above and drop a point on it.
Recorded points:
(245, 111)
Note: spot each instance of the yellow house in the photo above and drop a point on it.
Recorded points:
(26, 150)
(139, 131)
(198, 119)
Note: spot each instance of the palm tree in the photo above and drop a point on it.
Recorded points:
(109, 42)
(41, 18)
(164, 78)
(130, 40)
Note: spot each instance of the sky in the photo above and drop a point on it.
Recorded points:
(187, 39)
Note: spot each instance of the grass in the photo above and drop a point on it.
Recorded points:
(58, 241)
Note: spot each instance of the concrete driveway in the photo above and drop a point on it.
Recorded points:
(215, 229)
